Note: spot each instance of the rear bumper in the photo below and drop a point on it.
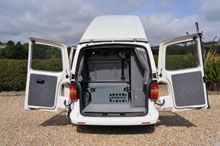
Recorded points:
(115, 121)
(149, 119)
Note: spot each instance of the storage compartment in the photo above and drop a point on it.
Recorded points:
(112, 82)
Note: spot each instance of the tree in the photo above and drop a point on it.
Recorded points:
(17, 51)
(18, 43)
(11, 43)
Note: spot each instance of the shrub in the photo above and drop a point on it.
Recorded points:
(212, 67)
(175, 62)
(190, 60)
(17, 51)
(54, 65)
(13, 74)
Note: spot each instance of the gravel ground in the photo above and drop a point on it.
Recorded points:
(23, 127)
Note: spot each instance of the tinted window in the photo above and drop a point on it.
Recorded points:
(46, 58)
(182, 56)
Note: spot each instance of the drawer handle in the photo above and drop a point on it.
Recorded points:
(39, 81)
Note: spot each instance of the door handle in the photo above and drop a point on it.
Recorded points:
(39, 81)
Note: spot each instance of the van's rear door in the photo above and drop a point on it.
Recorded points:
(180, 66)
(48, 72)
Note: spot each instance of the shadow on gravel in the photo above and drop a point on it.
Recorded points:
(115, 129)
(61, 120)
(58, 120)
(173, 119)
(167, 119)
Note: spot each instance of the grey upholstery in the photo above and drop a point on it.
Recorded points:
(106, 68)
(142, 57)
(112, 108)
(42, 89)
(81, 64)
(188, 89)
(115, 82)
(137, 83)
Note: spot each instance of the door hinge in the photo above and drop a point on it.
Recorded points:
(204, 79)
(73, 76)
(67, 75)
(155, 75)
(160, 75)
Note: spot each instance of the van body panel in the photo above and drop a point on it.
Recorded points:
(187, 89)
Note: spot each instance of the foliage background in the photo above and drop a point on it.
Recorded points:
(13, 64)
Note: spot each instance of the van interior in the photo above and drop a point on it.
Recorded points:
(112, 81)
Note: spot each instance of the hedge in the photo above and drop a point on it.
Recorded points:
(175, 62)
(47, 64)
(12, 74)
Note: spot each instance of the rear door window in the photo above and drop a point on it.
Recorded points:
(182, 56)
(46, 58)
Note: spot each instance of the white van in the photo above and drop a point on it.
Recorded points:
(110, 77)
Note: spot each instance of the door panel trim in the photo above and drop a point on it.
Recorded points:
(39, 95)
(191, 87)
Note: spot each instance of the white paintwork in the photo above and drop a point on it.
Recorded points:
(114, 28)
(167, 74)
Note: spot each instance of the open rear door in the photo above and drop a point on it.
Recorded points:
(48, 75)
(180, 66)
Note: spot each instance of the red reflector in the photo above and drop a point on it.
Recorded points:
(145, 123)
(154, 92)
(81, 123)
(73, 92)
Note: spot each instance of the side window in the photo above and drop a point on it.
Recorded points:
(182, 56)
(46, 58)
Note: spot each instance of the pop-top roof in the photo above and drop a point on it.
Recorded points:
(114, 28)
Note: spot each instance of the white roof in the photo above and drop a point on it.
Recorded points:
(114, 28)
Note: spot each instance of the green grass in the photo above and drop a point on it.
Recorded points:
(211, 44)
(3, 46)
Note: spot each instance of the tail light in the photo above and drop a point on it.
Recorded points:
(73, 92)
(154, 90)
